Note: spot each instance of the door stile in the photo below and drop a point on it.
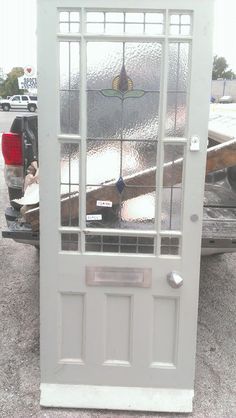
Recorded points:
(162, 119)
(83, 119)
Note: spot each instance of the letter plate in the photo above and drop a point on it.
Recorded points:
(118, 276)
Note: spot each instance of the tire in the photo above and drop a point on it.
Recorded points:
(32, 108)
(6, 107)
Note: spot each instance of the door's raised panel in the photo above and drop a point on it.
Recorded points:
(118, 335)
(71, 328)
(165, 326)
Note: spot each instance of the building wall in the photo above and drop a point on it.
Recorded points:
(223, 88)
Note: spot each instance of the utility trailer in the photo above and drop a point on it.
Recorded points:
(20, 148)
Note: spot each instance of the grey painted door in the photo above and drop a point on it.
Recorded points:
(123, 110)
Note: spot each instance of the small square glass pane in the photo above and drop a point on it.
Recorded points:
(95, 27)
(154, 29)
(95, 17)
(74, 17)
(114, 28)
(170, 246)
(185, 30)
(154, 17)
(185, 20)
(64, 17)
(69, 242)
(174, 30)
(174, 19)
(134, 17)
(74, 27)
(134, 28)
(114, 17)
(64, 27)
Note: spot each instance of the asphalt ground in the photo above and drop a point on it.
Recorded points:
(215, 383)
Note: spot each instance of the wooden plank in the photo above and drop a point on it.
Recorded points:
(218, 157)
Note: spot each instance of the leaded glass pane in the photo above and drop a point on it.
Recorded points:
(70, 242)
(69, 87)
(103, 161)
(178, 81)
(69, 179)
(172, 187)
(170, 245)
(123, 124)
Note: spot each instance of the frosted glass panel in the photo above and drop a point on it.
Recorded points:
(133, 209)
(69, 163)
(178, 81)
(176, 114)
(69, 87)
(104, 60)
(69, 178)
(69, 114)
(138, 156)
(178, 66)
(171, 208)
(104, 116)
(74, 65)
(172, 187)
(103, 161)
(141, 118)
(64, 65)
(123, 87)
(129, 111)
(107, 160)
(137, 208)
(145, 56)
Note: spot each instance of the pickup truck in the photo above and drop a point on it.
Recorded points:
(20, 151)
(19, 102)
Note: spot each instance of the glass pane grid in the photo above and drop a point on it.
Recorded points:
(70, 242)
(69, 22)
(180, 24)
(119, 244)
(125, 22)
(69, 180)
(170, 245)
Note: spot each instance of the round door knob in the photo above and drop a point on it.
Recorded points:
(175, 280)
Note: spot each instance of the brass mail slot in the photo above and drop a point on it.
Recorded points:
(118, 276)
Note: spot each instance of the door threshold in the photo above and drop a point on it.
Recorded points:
(116, 398)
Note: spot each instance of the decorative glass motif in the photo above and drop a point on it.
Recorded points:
(122, 87)
(120, 185)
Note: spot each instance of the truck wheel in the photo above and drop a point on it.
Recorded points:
(6, 107)
(32, 108)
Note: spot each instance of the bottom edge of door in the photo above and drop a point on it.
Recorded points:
(114, 397)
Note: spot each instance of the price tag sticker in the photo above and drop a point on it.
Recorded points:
(104, 203)
(94, 217)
